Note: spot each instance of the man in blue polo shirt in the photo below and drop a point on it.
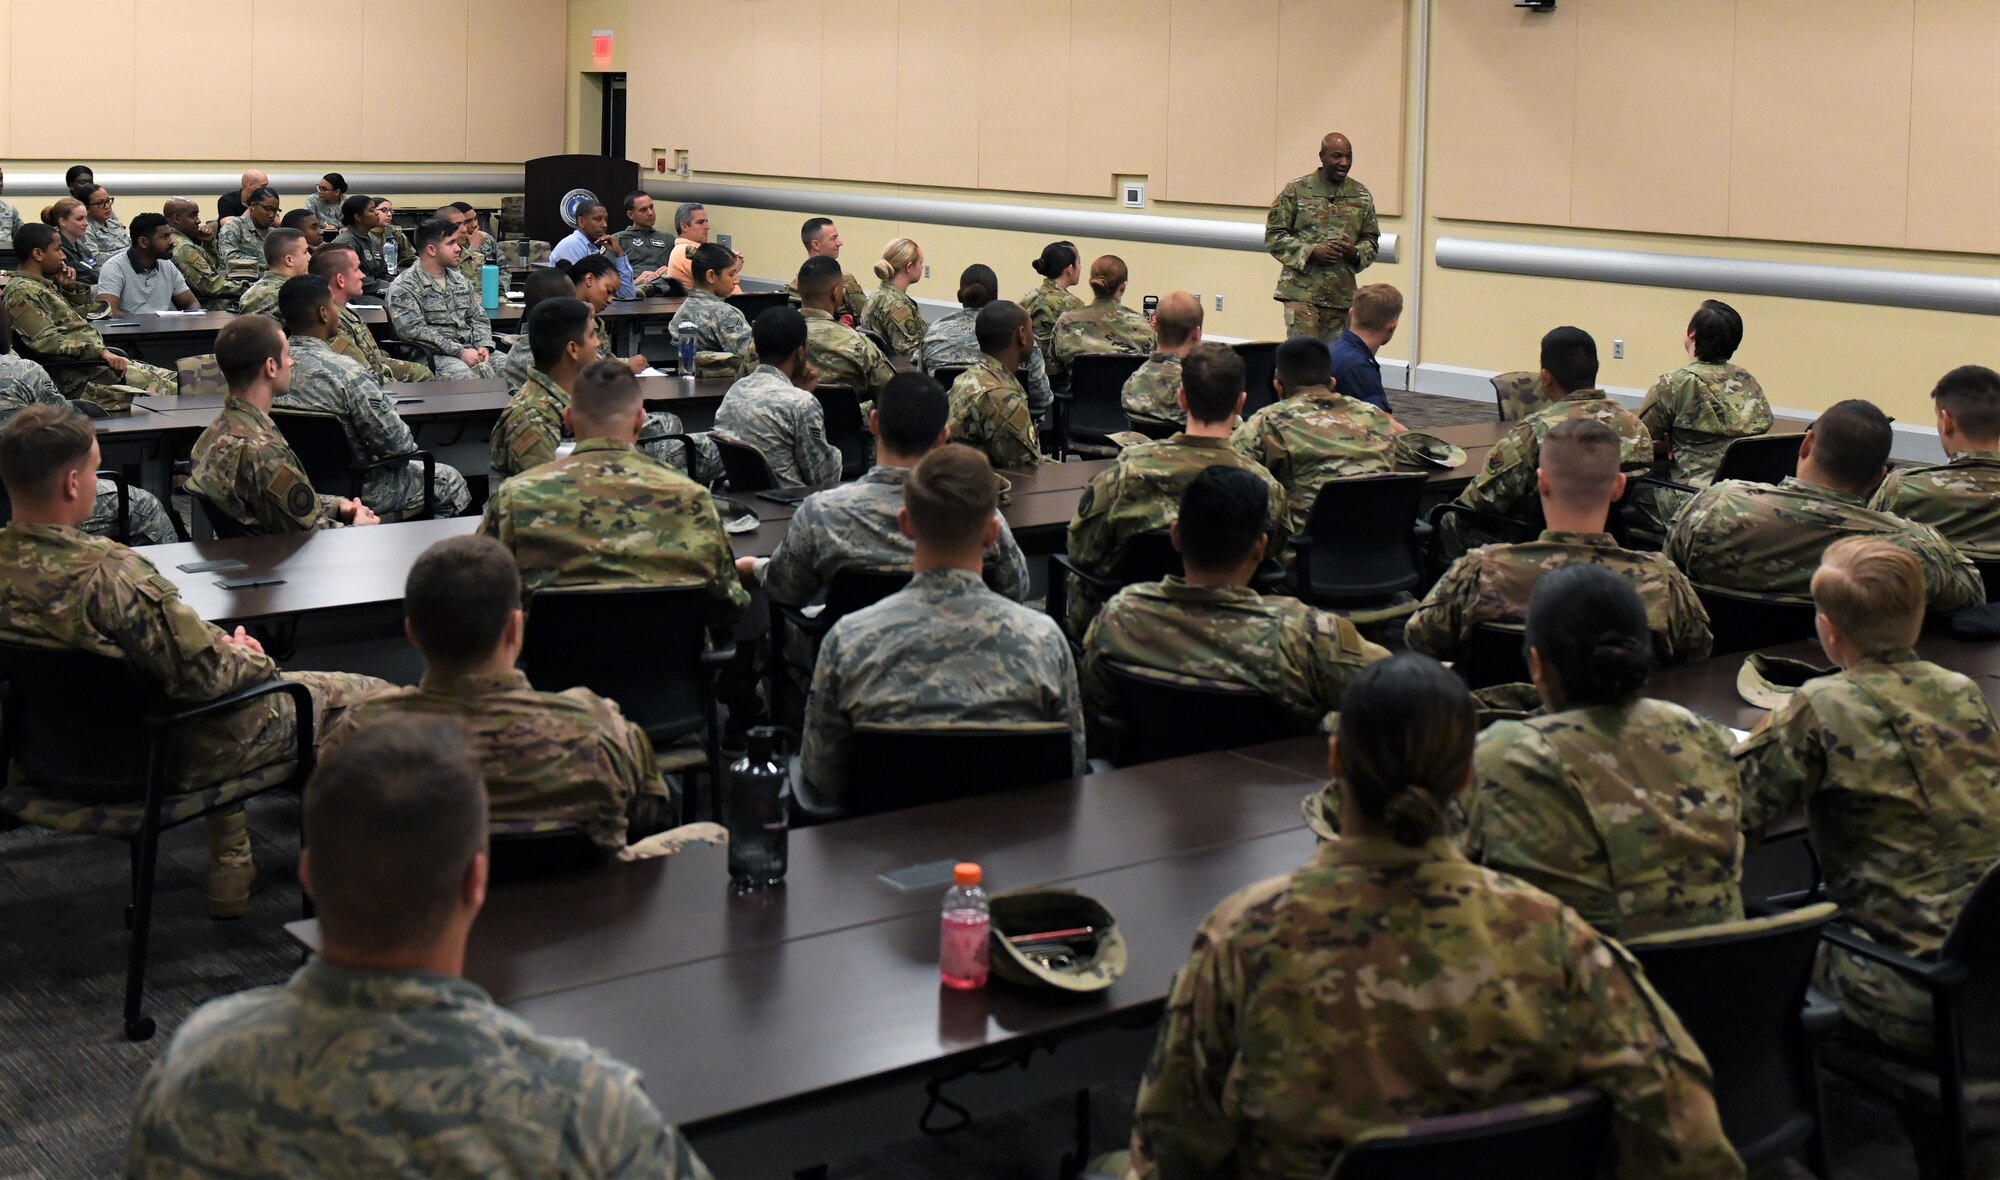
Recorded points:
(1371, 323)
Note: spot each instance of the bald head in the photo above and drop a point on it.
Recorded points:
(1178, 321)
(253, 179)
(182, 214)
(1336, 156)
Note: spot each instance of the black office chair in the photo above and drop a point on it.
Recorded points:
(755, 303)
(880, 341)
(1764, 458)
(1989, 573)
(522, 850)
(1167, 716)
(744, 466)
(890, 767)
(645, 647)
(1742, 622)
(1260, 364)
(946, 374)
(53, 706)
(1362, 542)
(322, 445)
(1561, 1137)
(1483, 528)
(1495, 656)
(846, 428)
(1148, 557)
(52, 363)
(223, 525)
(850, 590)
(1092, 408)
(1740, 991)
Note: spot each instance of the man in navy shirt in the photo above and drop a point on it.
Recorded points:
(1371, 323)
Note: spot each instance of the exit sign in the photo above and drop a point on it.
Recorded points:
(600, 48)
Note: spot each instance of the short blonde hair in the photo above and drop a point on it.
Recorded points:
(896, 256)
(951, 493)
(1872, 591)
(1376, 306)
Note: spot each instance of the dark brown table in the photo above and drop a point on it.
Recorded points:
(416, 401)
(1708, 687)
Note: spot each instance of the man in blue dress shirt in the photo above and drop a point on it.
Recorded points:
(593, 236)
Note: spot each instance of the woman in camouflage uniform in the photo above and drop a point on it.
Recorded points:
(723, 346)
(1105, 324)
(1047, 303)
(891, 313)
(1699, 408)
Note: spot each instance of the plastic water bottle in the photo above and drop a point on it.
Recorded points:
(489, 287)
(685, 339)
(962, 953)
(389, 252)
(758, 815)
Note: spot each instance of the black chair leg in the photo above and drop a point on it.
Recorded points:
(139, 1027)
(132, 895)
(1074, 1164)
(1954, 1149)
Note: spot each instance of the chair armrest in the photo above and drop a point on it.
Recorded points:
(795, 616)
(1477, 515)
(363, 466)
(1662, 482)
(1940, 976)
(1818, 1016)
(302, 704)
(804, 799)
(720, 655)
(1107, 585)
(403, 350)
(1300, 543)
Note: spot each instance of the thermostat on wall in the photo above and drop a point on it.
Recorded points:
(1134, 195)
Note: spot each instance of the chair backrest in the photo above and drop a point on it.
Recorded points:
(845, 427)
(1149, 557)
(221, 523)
(521, 851)
(1766, 458)
(53, 722)
(1741, 622)
(1496, 656)
(1362, 530)
(639, 645)
(947, 374)
(1989, 573)
(1974, 941)
(890, 767)
(857, 588)
(1738, 989)
(1260, 364)
(1518, 394)
(755, 303)
(320, 442)
(1167, 716)
(1561, 1137)
(877, 339)
(199, 374)
(744, 465)
(1095, 382)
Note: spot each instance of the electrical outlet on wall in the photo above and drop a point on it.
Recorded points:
(1218, 303)
(726, 241)
(927, 270)
(1617, 350)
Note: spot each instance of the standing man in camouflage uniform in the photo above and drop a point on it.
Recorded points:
(240, 240)
(431, 305)
(989, 409)
(649, 250)
(724, 346)
(362, 216)
(841, 355)
(1141, 490)
(1959, 498)
(44, 300)
(945, 649)
(1699, 409)
(286, 256)
(196, 259)
(953, 340)
(1313, 434)
(1896, 762)
(822, 240)
(61, 587)
(1209, 624)
(242, 464)
(1765, 541)
(1322, 228)
(1152, 392)
(375, 1058)
(1105, 324)
(774, 410)
(1578, 480)
(329, 383)
(341, 268)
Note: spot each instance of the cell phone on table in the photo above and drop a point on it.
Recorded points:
(777, 497)
(1151, 304)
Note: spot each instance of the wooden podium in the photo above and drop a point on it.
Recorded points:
(548, 179)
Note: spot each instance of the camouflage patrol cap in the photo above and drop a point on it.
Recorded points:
(1769, 681)
(1427, 450)
(1322, 812)
(1085, 963)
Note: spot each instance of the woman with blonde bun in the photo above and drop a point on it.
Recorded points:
(891, 313)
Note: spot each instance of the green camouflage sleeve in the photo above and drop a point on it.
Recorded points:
(1441, 627)
(521, 440)
(1281, 238)
(1263, 447)
(1338, 653)
(170, 645)
(1520, 813)
(1509, 475)
(1884, 499)
(1368, 243)
(875, 367)
(1687, 621)
(1013, 441)
(1684, 536)
(1658, 411)
(1091, 536)
(1953, 581)
(1095, 682)
(1781, 764)
(823, 741)
(494, 522)
(44, 332)
(727, 597)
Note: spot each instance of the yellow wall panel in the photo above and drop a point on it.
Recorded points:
(1652, 115)
(1820, 147)
(785, 99)
(719, 129)
(1118, 62)
(1222, 101)
(187, 31)
(515, 61)
(287, 38)
(657, 104)
(1955, 127)
(857, 112)
(6, 71)
(413, 63)
(55, 116)
(1023, 48)
(1503, 111)
(937, 121)
(1340, 68)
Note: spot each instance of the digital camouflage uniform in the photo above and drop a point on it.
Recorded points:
(240, 245)
(1381, 984)
(943, 650)
(550, 759)
(49, 321)
(25, 383)
(723, 344)
(1309, 213)
(1152, 390)
(1626, 813)
(530, 431)
(1138, 493)
(1492, 584)
(1506, 485)
(10, 220)
(894, 316)
(845, 357)
(1299, 656)
(784, 423)
(244, 467)
(441, 315)
(1897, 765)
(1102, 326)
(1699, 408)
(327, 215)
(353, 339)
(953, 342)
(325, 381)
(347, 1074)
(1766, 541)
(647, 249)
(1045, 305)
(205, 274)
(105, 238)
(1313, 437)
(989, 413)
(374, 267)
(853, 300)
(261, 297)
(608, 515)
(1959, 498)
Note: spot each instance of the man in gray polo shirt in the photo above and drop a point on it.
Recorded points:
(144, 279)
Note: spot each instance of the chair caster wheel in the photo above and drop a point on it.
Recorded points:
(140, 1029)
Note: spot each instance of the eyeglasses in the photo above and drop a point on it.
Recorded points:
(266, 208)
(104, 203)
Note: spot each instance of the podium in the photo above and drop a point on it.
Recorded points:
(548, 179)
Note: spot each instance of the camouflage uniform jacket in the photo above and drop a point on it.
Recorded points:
(853, 300)
(1103, 325)
(1045, 305)
(327, 382)
(1492, 584)
(49, 320)
(244, 467)
(951, 342)
(1627, 813)
(1701, 408)
(105, 238)
(530, 432)
(374, 267)
(1312, 438)
(1960, 499)
(1140, 492)
(645, 249)
(1381, 984)
(440, 313)
(1300, 657)
(894, 316)
(551, 759)
(785, 423)
(854, 526)
(240, 244)
(24, 383)
(1897, 764)
(352, 339)
(722, 340)
(261, 297)
(10, 220)
(1310, 213)
(1151, 391)
(1759, 539)
(989, 413)
(327, 215)
(1507, 483)
(342, 1074)
(204, 272)
(608, 515)
(844, 356)
(945, 649)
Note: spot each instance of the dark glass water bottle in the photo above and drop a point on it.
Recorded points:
(758, 814)
(687, 351)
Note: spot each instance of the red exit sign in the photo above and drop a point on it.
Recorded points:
(600, 48)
